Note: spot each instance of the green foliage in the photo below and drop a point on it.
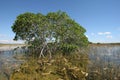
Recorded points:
(68, 48)
(55, 27)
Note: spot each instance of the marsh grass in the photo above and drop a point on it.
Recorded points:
(72, 67)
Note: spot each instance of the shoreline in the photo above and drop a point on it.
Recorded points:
(104, 44)
(6, 47)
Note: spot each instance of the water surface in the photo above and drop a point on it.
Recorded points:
(104, 62)
(7, 61)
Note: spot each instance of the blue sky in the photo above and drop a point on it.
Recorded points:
(101, 18)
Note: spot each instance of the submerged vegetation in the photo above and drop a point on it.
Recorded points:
(72, 67)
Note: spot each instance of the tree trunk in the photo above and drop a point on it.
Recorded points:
(41, 53)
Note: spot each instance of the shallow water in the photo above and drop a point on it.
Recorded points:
(101, 57)
(7, 61)
(104, 62)
(106, 53)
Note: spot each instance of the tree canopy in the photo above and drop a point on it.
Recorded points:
(54, 31)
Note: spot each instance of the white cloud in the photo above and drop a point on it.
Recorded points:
(3, 41)
(107, 33)
(100, 33)
(11, 41)
(109, 36)
(2, 35)
(104, 33)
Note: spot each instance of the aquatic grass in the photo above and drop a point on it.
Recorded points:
(58, 68)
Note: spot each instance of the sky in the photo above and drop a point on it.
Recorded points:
(100, 18)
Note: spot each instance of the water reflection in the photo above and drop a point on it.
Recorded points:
(7, 61)
(105, 53)
(105, 62)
